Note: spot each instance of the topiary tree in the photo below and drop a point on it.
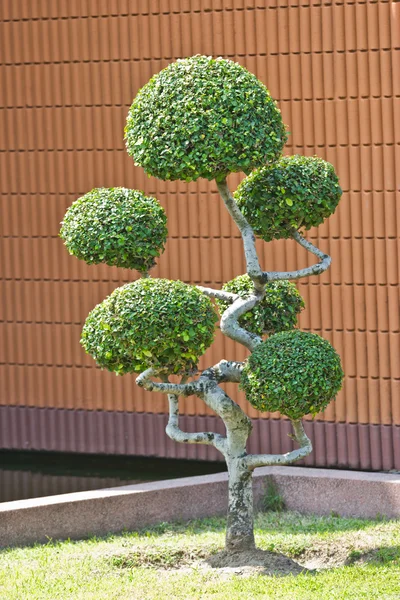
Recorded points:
(204, 117)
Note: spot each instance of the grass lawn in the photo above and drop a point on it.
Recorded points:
(349, 558)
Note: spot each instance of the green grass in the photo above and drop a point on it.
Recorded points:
(353, 559)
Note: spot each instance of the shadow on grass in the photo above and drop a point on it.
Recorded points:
(277, 522)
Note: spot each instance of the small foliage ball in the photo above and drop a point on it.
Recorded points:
(116, 226)
(293, 372)
(276, 312)
(155, 323)
(203, 117)
(295, 192)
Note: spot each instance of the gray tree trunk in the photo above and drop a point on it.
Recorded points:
(240, 522)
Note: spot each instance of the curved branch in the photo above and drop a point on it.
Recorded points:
(264, 460)
(323, 265)
(224, 371)
(207, 388)
(218, 294)
(180, 389)
(253, 268)
(175, 433)
(229, 321)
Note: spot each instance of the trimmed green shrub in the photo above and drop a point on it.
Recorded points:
(293, 372)
(116, 226)
(203, 117)
(155, 323)
(276, 312)
(295, 192)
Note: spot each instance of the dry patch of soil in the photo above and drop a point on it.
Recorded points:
(255, 561)
(318, 555)
(160, 558)
(330, 555)
(209, 559)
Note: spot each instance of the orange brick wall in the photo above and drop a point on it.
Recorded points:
(69, 71)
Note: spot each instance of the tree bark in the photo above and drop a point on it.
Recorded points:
(240, 521)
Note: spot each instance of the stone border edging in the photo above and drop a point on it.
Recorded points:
(82, 514)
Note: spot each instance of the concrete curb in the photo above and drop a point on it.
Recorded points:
(131, 507)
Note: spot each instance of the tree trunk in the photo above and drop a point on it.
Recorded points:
(240, 525)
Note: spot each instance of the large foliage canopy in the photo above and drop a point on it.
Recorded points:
(294, 372)
(295, 192)
(116, 226)
(155, 323)
(203, 117)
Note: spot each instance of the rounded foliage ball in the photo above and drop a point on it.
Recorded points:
(276, 312)
(295, 192)
(203, 117)
(155, 323)
(293, 372)
(116, 226)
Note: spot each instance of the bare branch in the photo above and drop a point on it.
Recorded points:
(264, 460)
(175, 433)
(221, 372)
(229, 321)
(228, 370)
(323, 265)
(253, 268)
(219, 294)
(181, 389)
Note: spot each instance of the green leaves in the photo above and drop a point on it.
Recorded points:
(155, 323)
(277, 311)
(203, 117)
(116, 226)
(297, 191)
(294, 372)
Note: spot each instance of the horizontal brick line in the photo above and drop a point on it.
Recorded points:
(231, 56)
(66, 150)
(318, 147)
(123, 149)
(161, 192)
(80, 323)
(394, 285)
(199, 282)
(62, 366)
(50, 193)
(213, 237)
(95, 281)
(330, 330)
(171, 193)
(185, 12)
(127, 105)
(366, 191)
(94, 367)
(345, 191)
(17, 322)
(371, 377)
